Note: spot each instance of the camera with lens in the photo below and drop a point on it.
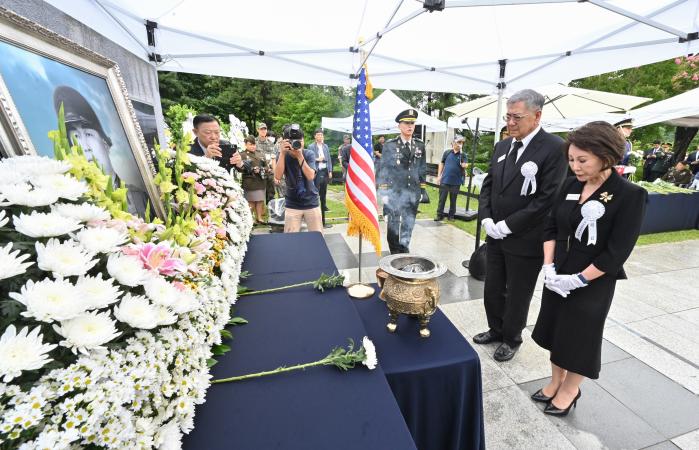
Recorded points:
(227, 151)
(293, 133)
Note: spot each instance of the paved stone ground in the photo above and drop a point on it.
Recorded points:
(647, 393)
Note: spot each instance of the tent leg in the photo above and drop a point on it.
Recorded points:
(501, 92)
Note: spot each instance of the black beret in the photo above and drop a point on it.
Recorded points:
(409, 115)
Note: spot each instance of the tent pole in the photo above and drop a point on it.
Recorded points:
(501, 92)
(473, 161)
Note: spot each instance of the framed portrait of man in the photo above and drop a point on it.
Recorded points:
(42, 71)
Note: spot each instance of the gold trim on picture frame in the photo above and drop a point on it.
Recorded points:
(14, 137)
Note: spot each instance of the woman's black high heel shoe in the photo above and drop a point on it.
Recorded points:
(553, 411)
(539, 396)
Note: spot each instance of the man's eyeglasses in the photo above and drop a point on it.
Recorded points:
(515, 117)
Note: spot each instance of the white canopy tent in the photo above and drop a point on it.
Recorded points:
(384, 109)
(472, 46)
(561, 103)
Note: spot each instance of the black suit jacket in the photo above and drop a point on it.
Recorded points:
(617, 229)
(500, 198)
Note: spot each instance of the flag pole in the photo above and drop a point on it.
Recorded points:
(360, 290)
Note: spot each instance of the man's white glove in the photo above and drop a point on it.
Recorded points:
(490, 229)
(549, 271)
(503, 228)
(566, 283)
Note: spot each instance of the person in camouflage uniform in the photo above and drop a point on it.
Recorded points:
(267, 148)
(678, 175)
(401, 178)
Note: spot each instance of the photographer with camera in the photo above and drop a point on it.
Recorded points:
(208, 143)
(254, 183)
(298, 166)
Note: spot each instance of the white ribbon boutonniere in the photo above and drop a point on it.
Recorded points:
(529, 170)
(591, 211)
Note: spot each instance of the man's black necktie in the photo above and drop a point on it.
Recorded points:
(511, 160)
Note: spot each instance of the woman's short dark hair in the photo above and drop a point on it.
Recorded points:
(599, 138)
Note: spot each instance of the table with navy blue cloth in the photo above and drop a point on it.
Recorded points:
(323, 407)
(436, 380)
(671, 212)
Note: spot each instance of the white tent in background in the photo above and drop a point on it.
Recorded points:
(384, 109)
(680, 110)
(471, 46)
(561, 103)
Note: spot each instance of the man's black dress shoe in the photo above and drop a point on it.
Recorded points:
(486, 337)
(505, 352)
(539, 396)
(554, 411)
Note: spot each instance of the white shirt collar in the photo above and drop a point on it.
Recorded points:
(525, 142)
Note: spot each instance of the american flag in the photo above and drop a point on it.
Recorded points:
(360, 185)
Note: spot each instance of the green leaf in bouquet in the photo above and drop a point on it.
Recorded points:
(237, 321)
(211, 362)
(244, 274)
(225, 334)
(220, 349)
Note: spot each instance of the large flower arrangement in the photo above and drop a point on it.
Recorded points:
(108, 320)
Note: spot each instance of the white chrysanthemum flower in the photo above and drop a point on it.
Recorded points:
(186, 301)
(83, 212)
(64, 259)
(39, 224)
(23, 194)
(12, 263)
(98, 292)
(166, 316)
(3, 218)
(161, 291)
(48, 300)
(169, 436)
(31, 165)
(9, 176)
(137, 312)
(88, 331)
(23, 351)
(370, 360)
(66, 186)
(128, 270)
(101, 239)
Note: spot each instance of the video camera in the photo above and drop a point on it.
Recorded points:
(293, 133)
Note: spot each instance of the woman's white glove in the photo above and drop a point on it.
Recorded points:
(566, 283)
(550, 277)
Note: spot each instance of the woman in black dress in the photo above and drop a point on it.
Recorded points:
(594, 224)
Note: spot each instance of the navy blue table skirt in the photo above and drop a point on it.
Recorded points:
(320, 408)
(437, 381)
(671, 212)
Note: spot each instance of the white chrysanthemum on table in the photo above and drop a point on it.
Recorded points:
(3, 218)
(23, 194)
(8, 176)
(83, 212)
(160, 291)
(185, 302)
(137, 312)
(12, 263)
(370, 360)
(88, 331)
(128, 270)
(97, 291)
(39, 225)
(101, 239)
(64, 259)
(65, 186)
(49, 300)
(22, 351)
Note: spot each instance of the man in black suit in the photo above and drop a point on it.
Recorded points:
(517, 195)
(650, 157)
(207, 142)
(692, 160)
